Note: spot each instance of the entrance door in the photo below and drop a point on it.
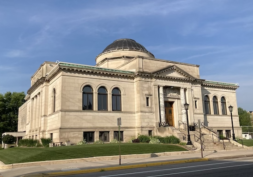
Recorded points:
(169, 113)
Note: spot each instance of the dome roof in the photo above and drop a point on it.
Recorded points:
(126, 44)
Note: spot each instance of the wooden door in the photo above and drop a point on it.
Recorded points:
(169, 113)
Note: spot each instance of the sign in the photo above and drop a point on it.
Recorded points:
(119, 121)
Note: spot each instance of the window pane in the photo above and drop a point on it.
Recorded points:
(118, 103)
(85, 104)
(104, 136)
(116, 135)
(114, 106)
(102, 90)
(88, 136)
(87, 89)
(90, 102)
(116, 91)
(100, 99)
(104, 102)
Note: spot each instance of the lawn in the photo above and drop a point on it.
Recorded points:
(246, 142)
(20, 155)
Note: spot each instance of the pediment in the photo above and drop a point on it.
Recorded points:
(173, 71)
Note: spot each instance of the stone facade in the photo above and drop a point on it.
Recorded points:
(54, 103)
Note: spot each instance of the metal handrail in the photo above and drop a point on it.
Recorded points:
(213, 133)
(181, 122)
(203, 125)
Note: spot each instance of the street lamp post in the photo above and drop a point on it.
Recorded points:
(186, 106)
(231, 110)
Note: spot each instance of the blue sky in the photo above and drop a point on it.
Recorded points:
(215, 34)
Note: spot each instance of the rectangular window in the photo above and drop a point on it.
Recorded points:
(51, 136)
(220, 132)
(88, 136)
(196, 104)
(147, 101)
(116, 135)
(228, 134)
(104, 136)
(150, 133)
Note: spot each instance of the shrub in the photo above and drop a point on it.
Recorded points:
(81, 142)
(46, 141)
(135, 141)
(114, 141)
(99, 142)
(154, 141)
(174, 140)
(28, 142)
(168, 139)
(182, 143)
(143, 138)
(9, 139)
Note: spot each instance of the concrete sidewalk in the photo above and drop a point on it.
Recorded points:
(110, 163)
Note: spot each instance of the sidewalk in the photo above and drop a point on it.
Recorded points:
(110, 163)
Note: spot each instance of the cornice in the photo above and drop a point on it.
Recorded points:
(36, 85)
(219, 85)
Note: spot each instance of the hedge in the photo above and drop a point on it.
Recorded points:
(28, 142)
(45, 141)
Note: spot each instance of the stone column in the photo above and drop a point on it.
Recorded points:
(162, 109)
(39, 107)
(95, 101)
(32, 113)
(182, 96)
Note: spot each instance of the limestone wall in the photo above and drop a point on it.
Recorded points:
(22, 116)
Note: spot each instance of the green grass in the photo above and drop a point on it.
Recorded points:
(246, 142)
(20, 155)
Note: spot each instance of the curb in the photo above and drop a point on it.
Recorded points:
(124, 167)
(231, 157)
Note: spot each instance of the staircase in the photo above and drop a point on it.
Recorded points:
(210, 139)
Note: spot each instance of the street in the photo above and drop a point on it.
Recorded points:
(232, 167)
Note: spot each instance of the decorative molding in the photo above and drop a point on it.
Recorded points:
(36, 85)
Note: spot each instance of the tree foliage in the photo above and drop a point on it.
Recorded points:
(9, 104)
(9, 139)
(244, 117)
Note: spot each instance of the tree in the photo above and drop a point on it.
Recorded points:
(9, 105)
(244, 118)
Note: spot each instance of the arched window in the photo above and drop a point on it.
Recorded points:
(54, 99)
(116, 99)
(102, 98)
(223, 106)
(87, 98)
(215, 105)
(207, 105)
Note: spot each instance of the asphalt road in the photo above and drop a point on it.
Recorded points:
(242, 167)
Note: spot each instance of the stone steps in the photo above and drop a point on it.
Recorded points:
(210, 143)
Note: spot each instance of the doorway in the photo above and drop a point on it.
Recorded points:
(169, 113)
